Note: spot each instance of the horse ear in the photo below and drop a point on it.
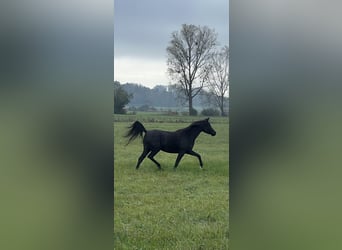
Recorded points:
(207, 119)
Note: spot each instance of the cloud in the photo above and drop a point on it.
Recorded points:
(142, 29)
(140, 70)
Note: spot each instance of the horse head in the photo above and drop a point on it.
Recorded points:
(206, 127)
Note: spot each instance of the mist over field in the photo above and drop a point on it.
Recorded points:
(162, 97)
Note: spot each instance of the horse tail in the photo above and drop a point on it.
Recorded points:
(134, 131)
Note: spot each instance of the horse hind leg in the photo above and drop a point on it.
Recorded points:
(151, 155)
(142, 157)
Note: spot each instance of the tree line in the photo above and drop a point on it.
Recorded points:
(136, 97)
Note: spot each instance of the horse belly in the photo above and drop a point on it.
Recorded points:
(170, 150)
(170, 144)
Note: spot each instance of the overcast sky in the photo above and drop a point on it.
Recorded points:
(142, 31)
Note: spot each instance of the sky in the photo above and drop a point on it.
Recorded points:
(142, 31)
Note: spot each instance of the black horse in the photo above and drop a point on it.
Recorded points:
(180, 141)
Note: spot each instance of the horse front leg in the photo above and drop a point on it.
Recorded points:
(197, 155)
(179, 157)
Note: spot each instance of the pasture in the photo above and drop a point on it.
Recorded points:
(182, 209)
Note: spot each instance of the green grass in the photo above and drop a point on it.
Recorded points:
(182, 209)
(162, 118)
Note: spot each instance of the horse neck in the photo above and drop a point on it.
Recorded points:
(194, 131)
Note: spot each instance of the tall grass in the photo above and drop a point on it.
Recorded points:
(182, 209)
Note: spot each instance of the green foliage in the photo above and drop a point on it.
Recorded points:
(182, 209)
(173, 113)
(210, 112)
(159, 96)
(143, 108)
(193, 112)
(146, 107)
(121, 98)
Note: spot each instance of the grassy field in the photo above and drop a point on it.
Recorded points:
(182, 209)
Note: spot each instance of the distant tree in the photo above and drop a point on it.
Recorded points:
(144, 107)
(218, 80)
(193, 112)
(210, 112)
(121, 98)
(189, 54)
(160, 88)
(159, 96)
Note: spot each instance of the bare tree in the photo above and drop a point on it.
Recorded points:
(189, 54)
(218, 80)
